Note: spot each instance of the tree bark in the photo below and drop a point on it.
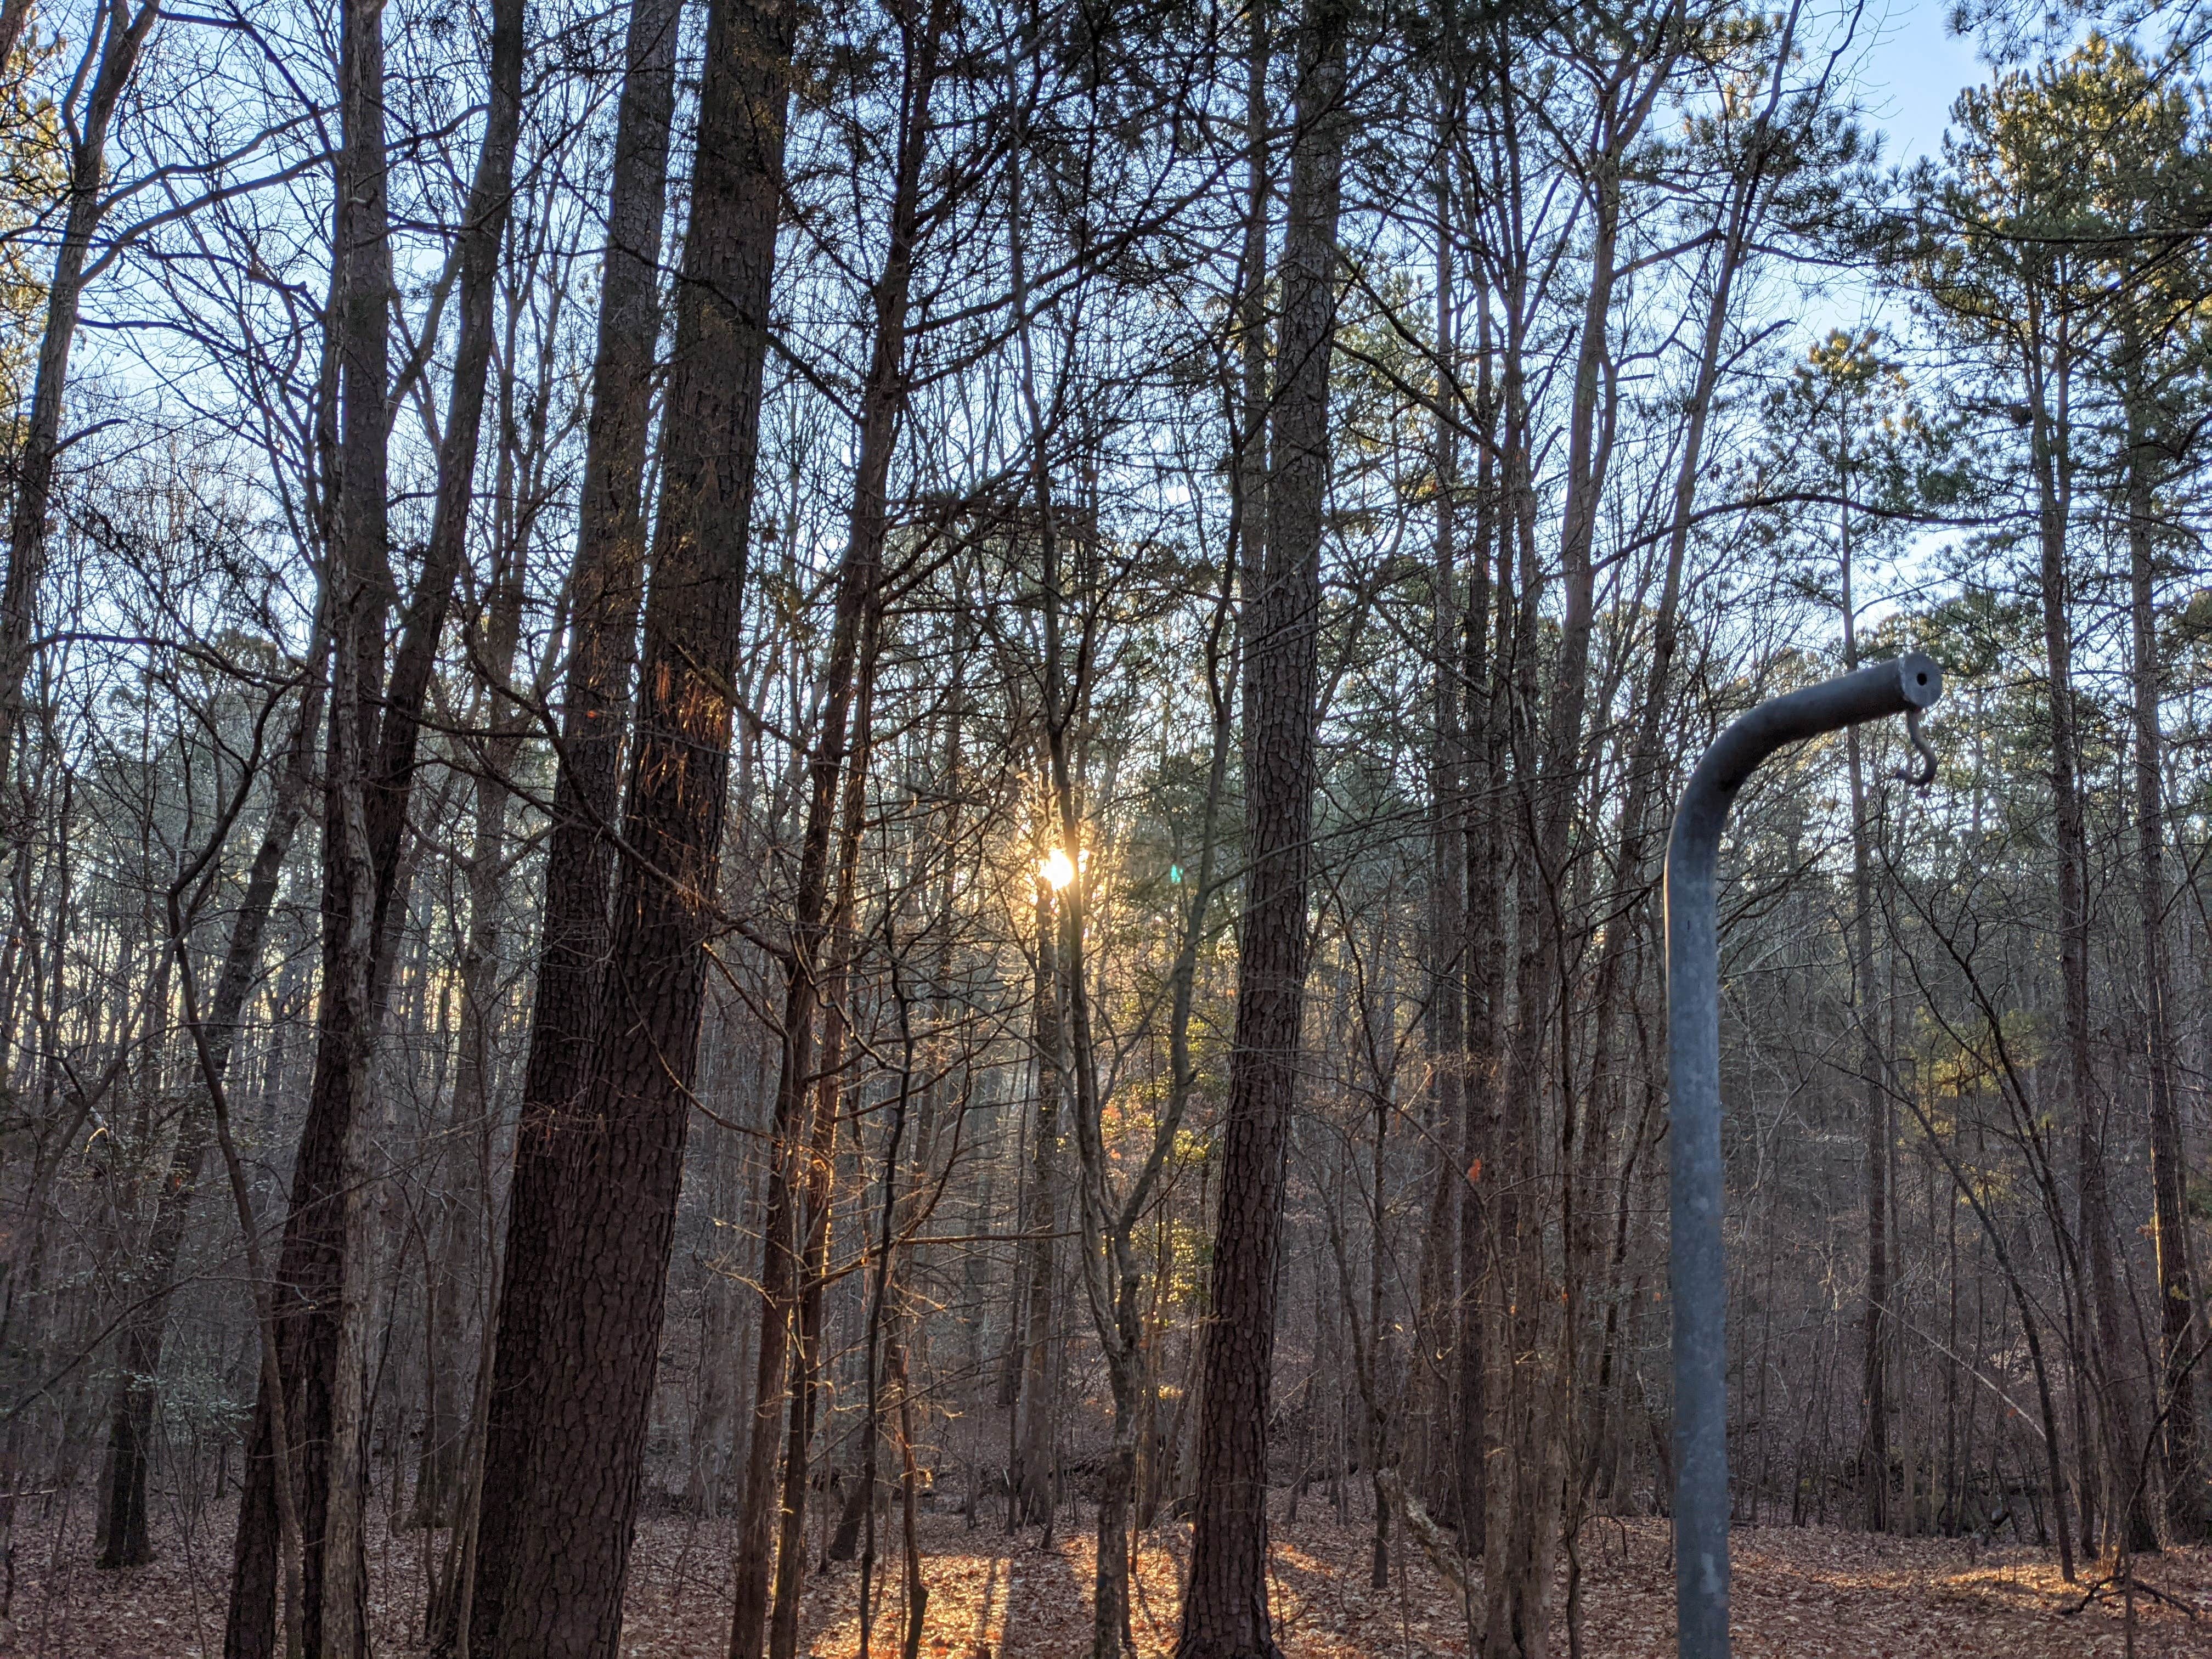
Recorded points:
(374, 736)
(1038, 1411)
(616, 1208)
(311, 1296)
(2106, 1350)
(1434, 1384)
(2177, 1286)
(605, 586)
(845, 690)
(1226, 1603)
(1483, 936)
(490, 199)
(14, 19)
(1874, 1371)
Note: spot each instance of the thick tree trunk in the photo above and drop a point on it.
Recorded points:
(1225, 1604)
(605, 584)
(607, 1271)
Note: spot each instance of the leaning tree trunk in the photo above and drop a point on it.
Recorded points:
(1225, 1606)
(606, 1274)
(605, 584)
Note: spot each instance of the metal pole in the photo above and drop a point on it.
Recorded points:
(1696, 1270)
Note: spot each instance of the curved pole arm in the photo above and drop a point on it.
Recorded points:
(1696, 1267)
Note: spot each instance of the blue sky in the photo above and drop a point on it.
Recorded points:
(1912, 72)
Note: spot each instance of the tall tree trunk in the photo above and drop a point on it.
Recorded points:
(117, 37)
(1873, 1387)
(818, 1189)
(489, 209)
(1524, 1501)
(1038, 1411)
(375, 730)
(2176, 1287)
(1226, 1603)
(2110, 1375)
(1741, 211)
(464, 1161)
(1434, 1383)
(313, 1297)
(845, 690)
(616, 1209)
(1482, 935)
(606, 585)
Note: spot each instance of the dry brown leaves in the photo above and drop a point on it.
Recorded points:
(1810, 1594)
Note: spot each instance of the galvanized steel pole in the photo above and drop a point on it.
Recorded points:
(1697, 1271)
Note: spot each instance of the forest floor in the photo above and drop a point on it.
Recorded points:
(1800, 1594)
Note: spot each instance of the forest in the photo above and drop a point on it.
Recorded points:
(838, 828)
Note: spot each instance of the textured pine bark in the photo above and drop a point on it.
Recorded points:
(2127, 1501)
(615, 1202)
(1225, 1606)
(605, 588)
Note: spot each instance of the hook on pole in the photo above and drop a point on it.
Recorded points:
(1926, 774)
